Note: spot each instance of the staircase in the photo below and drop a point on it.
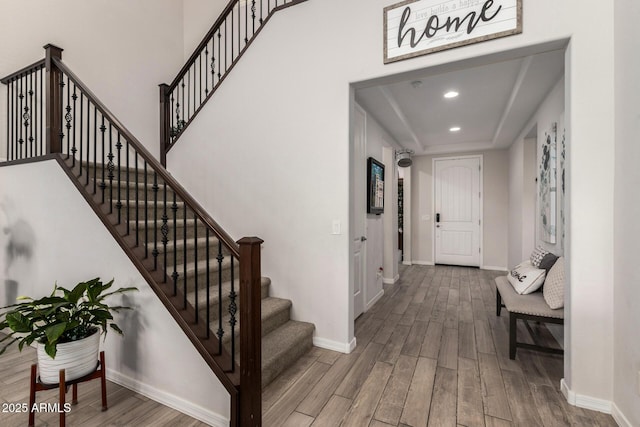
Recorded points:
(210, 284)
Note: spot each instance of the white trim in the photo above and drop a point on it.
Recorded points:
(406, 263)
(374, 300)
(335, 345)
(619, 417)
(391, 281)
(422, 262)
(492, 267)
(480, 158)
(168, 399)
(582, 401)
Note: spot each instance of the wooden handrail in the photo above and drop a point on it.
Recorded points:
(36, 65)
(157, 167)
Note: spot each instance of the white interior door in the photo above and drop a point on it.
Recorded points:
(457, 211)
(359, 210)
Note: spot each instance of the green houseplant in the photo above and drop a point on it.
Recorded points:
(61, 320)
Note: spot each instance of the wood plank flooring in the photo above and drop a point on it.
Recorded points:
(126, 408)
(431, 353)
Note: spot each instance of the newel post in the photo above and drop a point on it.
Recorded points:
(250, 333)
(165, 111)
(53, 100)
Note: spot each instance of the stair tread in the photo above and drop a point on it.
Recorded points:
(270, 308)
(282, 339)
(226, 287)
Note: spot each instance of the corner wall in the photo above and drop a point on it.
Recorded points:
(626, 345)
(63, 241)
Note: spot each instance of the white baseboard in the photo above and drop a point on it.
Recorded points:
(335, 345)
(391, 281)
(374, 300)
(619, 417)
(491, 267)
(582, 401)
(422, 262)
(406, 262)
(168, 399)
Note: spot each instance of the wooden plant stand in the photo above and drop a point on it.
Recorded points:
(63, 385)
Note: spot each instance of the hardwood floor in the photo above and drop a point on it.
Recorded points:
(126, 408)
(431, 353)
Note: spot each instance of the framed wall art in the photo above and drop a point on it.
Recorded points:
(375, 186)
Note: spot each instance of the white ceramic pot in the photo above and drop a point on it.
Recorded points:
(77, 358)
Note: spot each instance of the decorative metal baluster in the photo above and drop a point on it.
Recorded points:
(31, 112)
(103, 184)
(184, 255)
(233, 308)
(14, 128)
(261, 7)
(165, 232)
(26, 116)
(68, 117)
(8, 122)
(268, 7)
(219, 54)
(206, 75)
(81, 128)
(89, 139)
(200, 70)
(174, 275)
(119, 202)
(74, 150)
(19, 120)
(226, 45)
(253, 17)
(195, 262)
(110, 167)
(95, 149)
(246, 24)
(41, 139)
(146, 213)
(220, 332)
(232, 34)
(128, 179)
(208, 269)
(187, 111)
(137, 192)
(155, 189)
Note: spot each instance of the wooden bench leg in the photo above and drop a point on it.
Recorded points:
(74, 394)
(498, 303)
(32, 395)
(513, 327)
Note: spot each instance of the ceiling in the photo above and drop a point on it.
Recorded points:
(495, 103)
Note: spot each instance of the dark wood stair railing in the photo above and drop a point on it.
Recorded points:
(163, 230)
(208, 66)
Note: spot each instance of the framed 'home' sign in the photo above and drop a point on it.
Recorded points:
(418, 27)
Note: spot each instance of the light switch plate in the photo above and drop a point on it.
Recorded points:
(335, 227)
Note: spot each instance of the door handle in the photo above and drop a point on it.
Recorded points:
(437, 217)
(362, 239)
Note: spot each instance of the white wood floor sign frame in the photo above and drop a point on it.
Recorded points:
(419, 27)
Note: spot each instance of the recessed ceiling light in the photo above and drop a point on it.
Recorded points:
(454, 129)
(451, 94)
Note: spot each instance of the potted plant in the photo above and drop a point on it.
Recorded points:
(66, 327)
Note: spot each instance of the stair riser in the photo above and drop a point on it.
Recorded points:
(129, 208)
(213, 307)
(202, 278)
(143, 192)
(123, 171)
(269, 324)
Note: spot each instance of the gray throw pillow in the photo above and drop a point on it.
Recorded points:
(548, 261)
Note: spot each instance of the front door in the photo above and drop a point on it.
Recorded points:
(457, 211)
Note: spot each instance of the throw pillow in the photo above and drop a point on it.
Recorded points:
(537, 255)
(525, 278)
(548, 261)
(553, 291)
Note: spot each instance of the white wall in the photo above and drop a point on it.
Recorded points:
(627, 211)
(121, 49)
(377, 239)
(495, 177)
(70, 244)
(198, 18)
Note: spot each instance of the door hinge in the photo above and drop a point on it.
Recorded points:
(478, 250)
(478, 222)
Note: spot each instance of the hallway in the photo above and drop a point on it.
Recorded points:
(431, 352)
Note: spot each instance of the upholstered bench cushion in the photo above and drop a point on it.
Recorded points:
(532, 304)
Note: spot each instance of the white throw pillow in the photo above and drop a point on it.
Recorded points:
(553, 291)
(525, 278)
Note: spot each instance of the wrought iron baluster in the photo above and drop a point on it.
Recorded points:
(220, 332)
(233, 309)
(119, 202)
(68, 117)
(172, 126)
(146, 213)
(232, 34)
(246, 23)
(95, 149)
(128, 179)
(19, 119)
(200, 72)
(31, 112)
(74, 150)
(41, 139)
(155, 189)
(219, 52)
(261, 7)
(165, 231)
(110, 169)
(81, 130)
(89, 139)
(8, 122)
(253, 17)
(137, 192)
(184, 254)
(174, 275)
(103, 184)
(208, 270)
(195, 262)
(187, 111)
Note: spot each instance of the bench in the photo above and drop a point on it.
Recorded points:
(526, 307)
